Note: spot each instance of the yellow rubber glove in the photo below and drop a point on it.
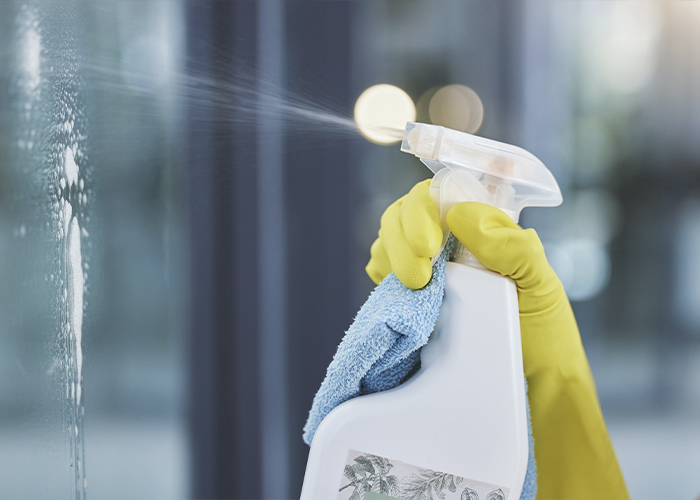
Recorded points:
(410, 235)
(575, 458)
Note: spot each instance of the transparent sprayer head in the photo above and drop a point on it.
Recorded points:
(471, 168)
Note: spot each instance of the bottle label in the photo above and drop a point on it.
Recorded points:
(371, 477)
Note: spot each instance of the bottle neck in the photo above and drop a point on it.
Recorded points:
(461, 255)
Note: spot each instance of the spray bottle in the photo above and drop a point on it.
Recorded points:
(458, 428)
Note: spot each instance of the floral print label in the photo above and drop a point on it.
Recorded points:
(371, 477)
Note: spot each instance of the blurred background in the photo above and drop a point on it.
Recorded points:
(186, 210)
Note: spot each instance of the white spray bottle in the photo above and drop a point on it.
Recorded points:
(457, 430)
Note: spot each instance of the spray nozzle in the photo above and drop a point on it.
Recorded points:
(472, 168)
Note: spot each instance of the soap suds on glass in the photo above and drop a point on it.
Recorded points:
(49, 135)
(71, 168)
(52, 132)
(71, 198)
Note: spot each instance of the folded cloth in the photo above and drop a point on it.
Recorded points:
(529, 491)
(381, 349)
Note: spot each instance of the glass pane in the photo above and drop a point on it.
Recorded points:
(92, 280)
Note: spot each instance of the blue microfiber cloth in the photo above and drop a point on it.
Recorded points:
(382, 349)
(529, 491)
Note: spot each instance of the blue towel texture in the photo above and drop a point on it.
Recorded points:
(381, 349)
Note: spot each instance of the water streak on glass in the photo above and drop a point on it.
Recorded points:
(50, 146)
(68, 163)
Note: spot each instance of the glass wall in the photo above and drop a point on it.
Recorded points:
(94, 275)
(186, 210)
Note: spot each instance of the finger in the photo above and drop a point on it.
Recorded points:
(421, 221)
(378, 266)
(412, 270)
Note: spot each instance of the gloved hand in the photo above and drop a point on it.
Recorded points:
(575, 458)
(410, 235)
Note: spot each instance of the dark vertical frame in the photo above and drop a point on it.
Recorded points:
(320, 191)
(224, 414)
(229, 415)
(239, 464)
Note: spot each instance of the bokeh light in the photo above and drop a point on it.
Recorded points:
(582, 265)
(381, 113)
(457, 107)
(423, 105)
(627, 54)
